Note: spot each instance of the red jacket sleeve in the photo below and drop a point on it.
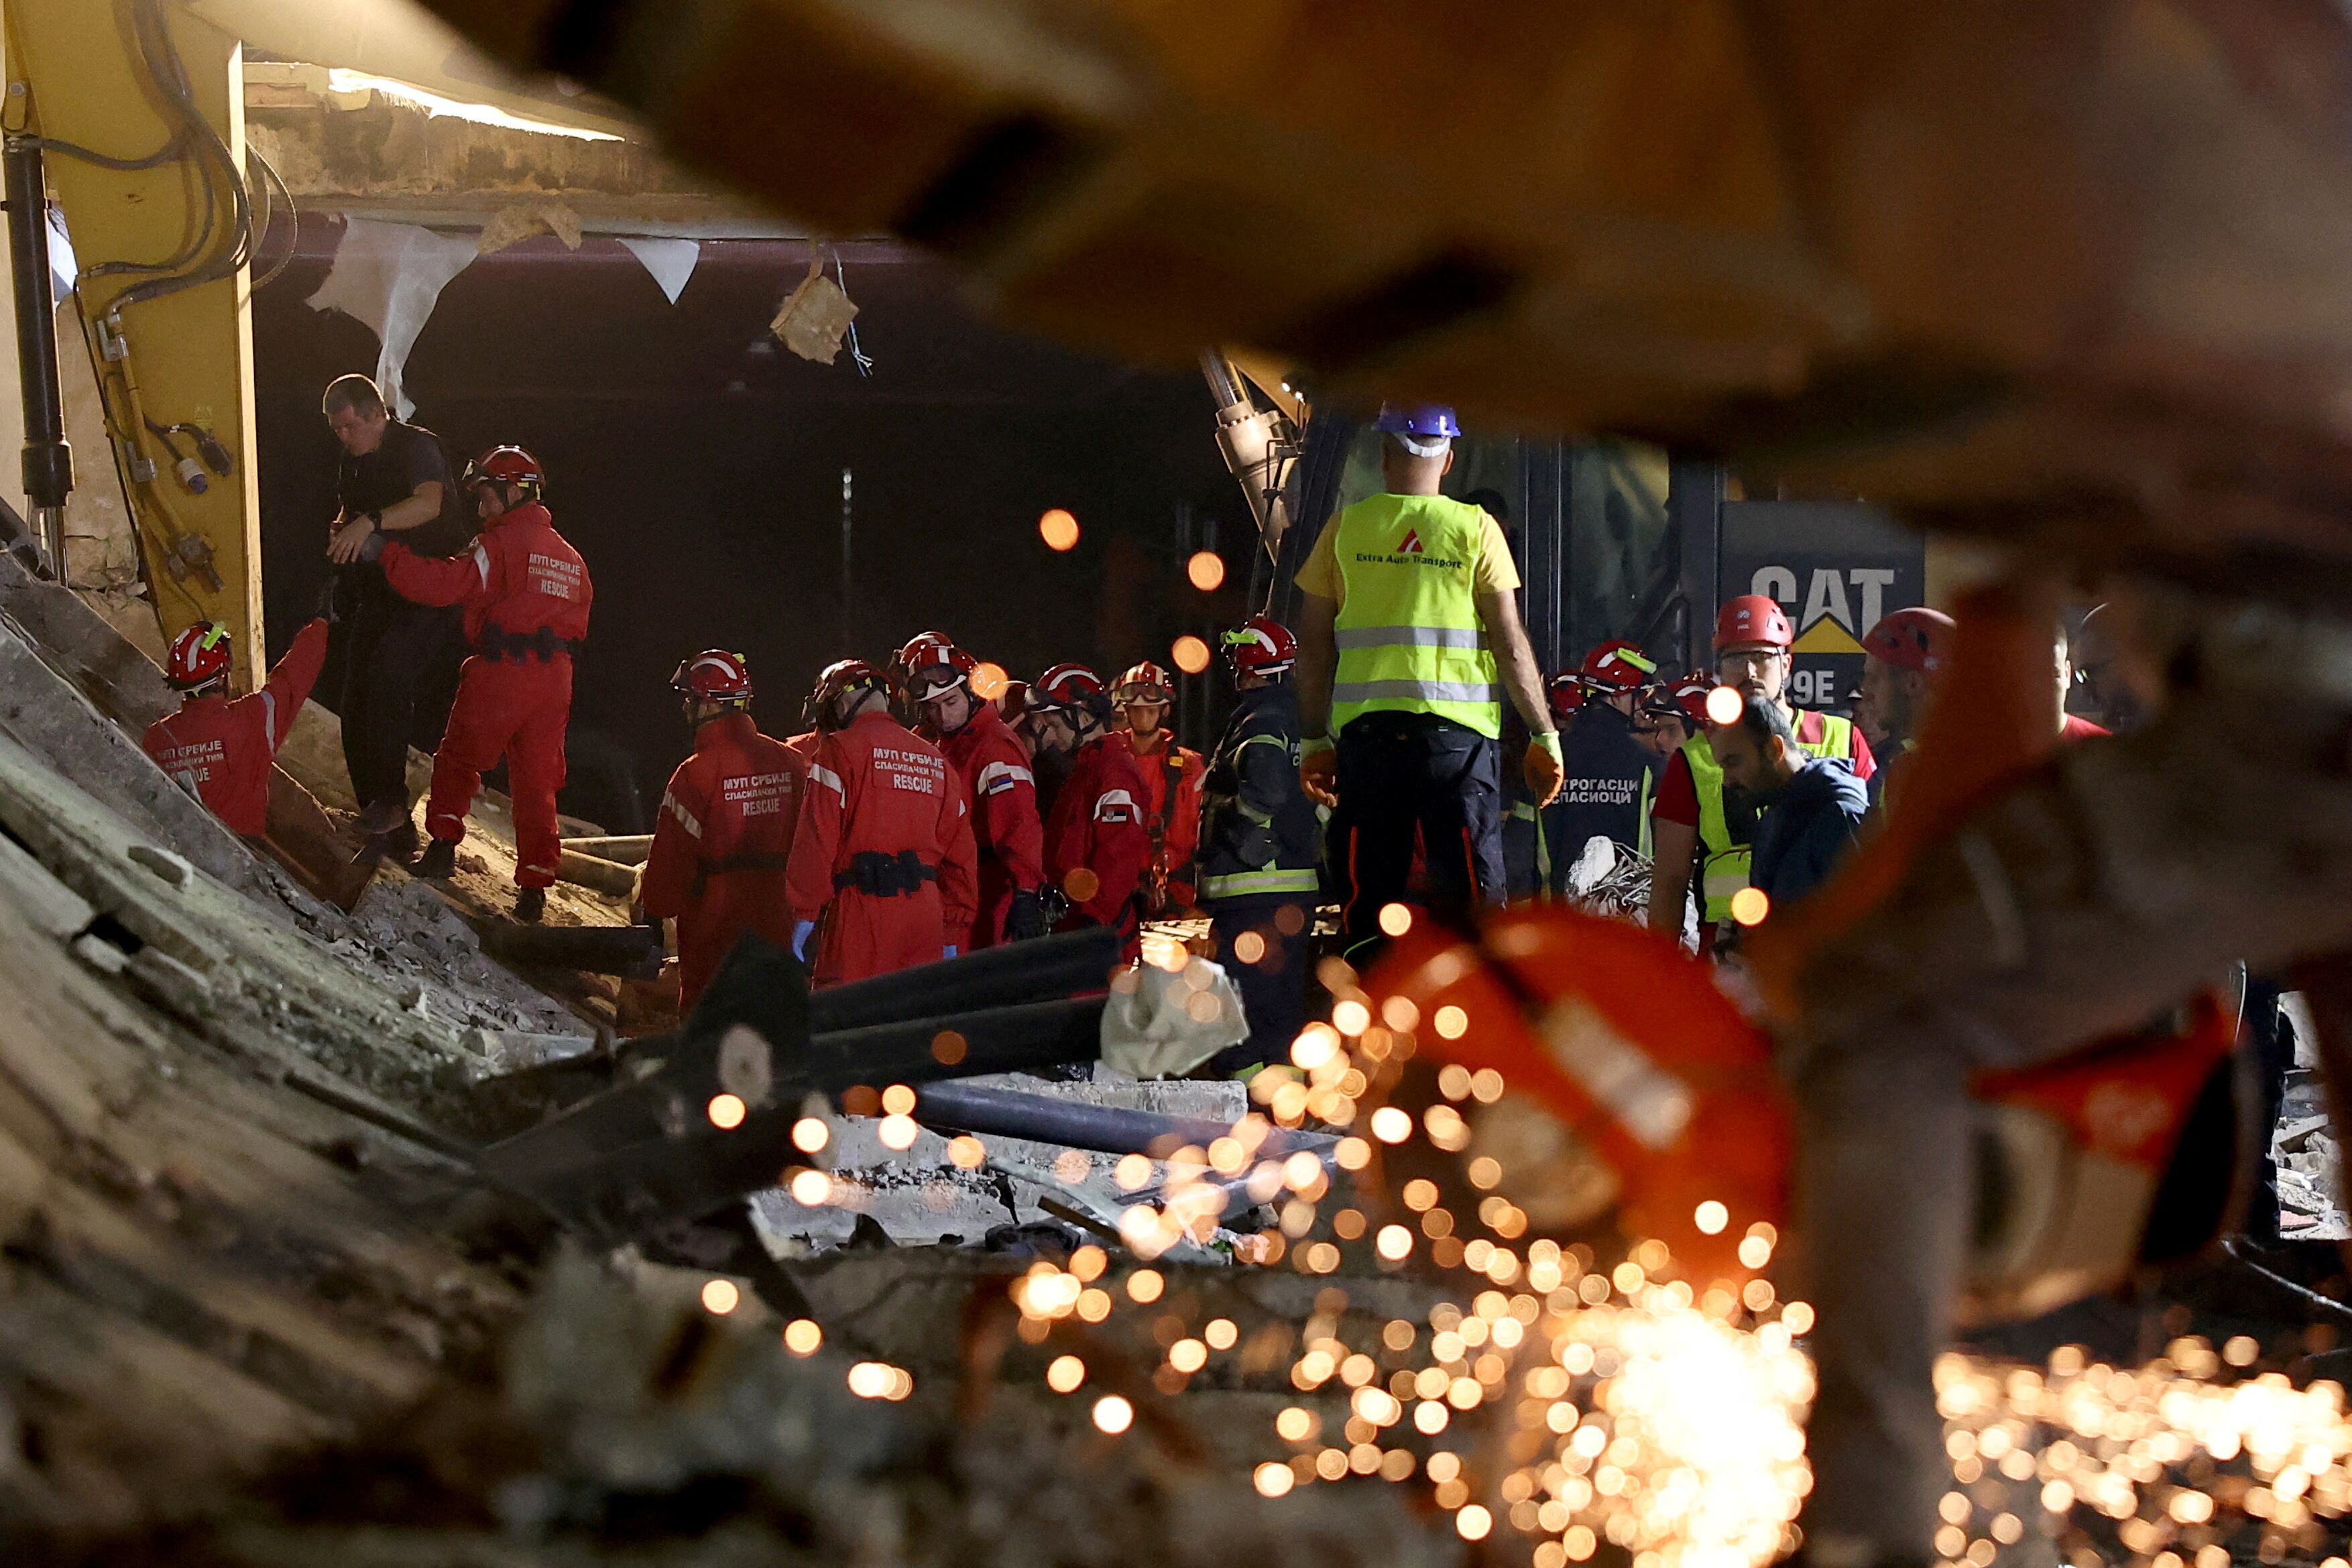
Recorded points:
(1118, 848)
(816, 838)
(1008, 806)
(668, 885)
(290, 682)
(431, 579)
(959, 863)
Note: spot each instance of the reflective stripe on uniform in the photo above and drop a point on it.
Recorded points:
(1242, 883)
(482, 565)
(1649, 780)
(828, 778)
(1367, 692)
(1408, 637)
(686, 819)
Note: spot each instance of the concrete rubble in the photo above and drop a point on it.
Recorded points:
(2304, 1146)
(919, 1197)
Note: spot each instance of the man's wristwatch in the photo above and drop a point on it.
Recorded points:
(375, 521)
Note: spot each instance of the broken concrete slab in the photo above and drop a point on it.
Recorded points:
(44, 712)
(284, 981)
(91, 651)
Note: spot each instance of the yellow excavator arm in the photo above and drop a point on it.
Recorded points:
(135, 110)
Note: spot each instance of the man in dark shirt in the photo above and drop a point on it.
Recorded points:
(396, 662)
(1813, 806)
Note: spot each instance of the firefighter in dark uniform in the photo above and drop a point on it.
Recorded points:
(1261, 847)
(1612, 774)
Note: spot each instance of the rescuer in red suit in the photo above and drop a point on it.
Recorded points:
(1008, 834)
(525, 594)
(219, 748)
(1172, 780)
(725, 832)
(1097, 846)
(883, 850)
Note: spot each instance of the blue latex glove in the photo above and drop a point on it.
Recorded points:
(801, 929)
(948, 952)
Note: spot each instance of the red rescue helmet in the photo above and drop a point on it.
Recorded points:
(1617, 667)
(1565, 693)
(1690, 694)
(1261, 645)
(838, 679)
(199, 656)
(507, 465)
(1750, 620)
(1013, 701)
(1144, 683)
(1915, 638)
(1071, 687)
(930, 666)
(713, 675)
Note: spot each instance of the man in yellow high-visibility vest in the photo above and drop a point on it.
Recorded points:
(1692, 826)
(1408, 642)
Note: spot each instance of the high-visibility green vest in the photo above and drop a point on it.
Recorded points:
(1408, 632)
(1727, 867)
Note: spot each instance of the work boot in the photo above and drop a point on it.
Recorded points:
(439, 860)
(402, 841)
(529, 905)
(381, 817)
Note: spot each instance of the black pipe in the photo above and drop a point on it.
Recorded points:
(49, 461)
(763, 986)
(599, 949)
(1064, 966)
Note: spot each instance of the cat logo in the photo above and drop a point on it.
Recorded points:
(1836, 570)
(1412, 545)
(1832, 620)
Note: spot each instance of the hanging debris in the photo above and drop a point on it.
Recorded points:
(814, 317)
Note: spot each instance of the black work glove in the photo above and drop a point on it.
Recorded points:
(1255, 845)
(1025, 916)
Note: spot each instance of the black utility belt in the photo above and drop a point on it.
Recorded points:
(726, 864)
(884, 876)
(543, 644)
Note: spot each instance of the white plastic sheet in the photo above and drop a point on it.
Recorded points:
(671, 261)
(389, 276)
(1159, 1023)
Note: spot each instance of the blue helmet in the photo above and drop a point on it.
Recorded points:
(1426, 420)
(1423, 429)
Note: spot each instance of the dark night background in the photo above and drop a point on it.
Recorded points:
(697, 465)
